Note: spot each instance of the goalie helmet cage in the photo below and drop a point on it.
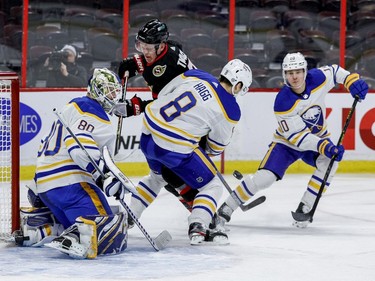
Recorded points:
(9, 154)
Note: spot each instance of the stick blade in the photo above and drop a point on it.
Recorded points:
(253, 204)
(162, 240)
(301, 216)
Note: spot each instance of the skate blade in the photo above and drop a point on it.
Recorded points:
(196, 240)
(69, 252)
(217, 241)
(301, 224)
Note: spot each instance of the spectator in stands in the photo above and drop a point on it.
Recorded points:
(63, 70)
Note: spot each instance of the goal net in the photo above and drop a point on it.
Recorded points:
(9, 153)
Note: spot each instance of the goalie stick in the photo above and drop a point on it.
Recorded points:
(164, 237)
(120, 118)
(300, 217)
(243, 207)
(161, 241)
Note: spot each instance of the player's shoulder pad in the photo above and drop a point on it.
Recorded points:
(285, 100)
(91, 107)
(200, 74)
(227, 101)
(315, 77)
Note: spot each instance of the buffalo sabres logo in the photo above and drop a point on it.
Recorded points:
(159, 70)
(314, 119)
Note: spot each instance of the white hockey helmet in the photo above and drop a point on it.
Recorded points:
(105, 87)
(293, 61)
(237, 71)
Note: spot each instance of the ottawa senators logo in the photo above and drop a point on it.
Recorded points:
(159, 70)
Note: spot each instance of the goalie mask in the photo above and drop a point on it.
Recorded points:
(237, 71)
(294, 61)
(105, 87)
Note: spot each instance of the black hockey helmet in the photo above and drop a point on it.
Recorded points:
(153, 32)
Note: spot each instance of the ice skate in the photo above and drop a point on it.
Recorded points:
(225, 212)
(69, 245)
(218, 223)
(302, 208)
(200, 235)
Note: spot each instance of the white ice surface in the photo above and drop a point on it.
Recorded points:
(338, 245)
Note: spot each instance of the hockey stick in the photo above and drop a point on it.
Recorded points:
(120, 118)
(243, 207)
(161, 241)
(79, 143)
(309, 216)
(108, 160)
(164, 237)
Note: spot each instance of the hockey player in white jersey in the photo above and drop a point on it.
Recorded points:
(68, 186)
(302, 133)
(193, 106)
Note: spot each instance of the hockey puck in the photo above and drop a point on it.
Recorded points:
(237, 175)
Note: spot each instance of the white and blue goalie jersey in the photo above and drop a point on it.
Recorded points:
(60, 160)
(302, 117)
(193, 105)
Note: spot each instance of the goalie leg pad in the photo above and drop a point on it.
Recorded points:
(98, 235)
(33, 197)
(103, 235)
(36, 224)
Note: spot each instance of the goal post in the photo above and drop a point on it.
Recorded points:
(9, 153)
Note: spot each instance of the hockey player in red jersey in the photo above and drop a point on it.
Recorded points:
(160, 61)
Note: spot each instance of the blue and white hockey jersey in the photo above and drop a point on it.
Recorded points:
(193, 105)
(302, 117)
(60, 160)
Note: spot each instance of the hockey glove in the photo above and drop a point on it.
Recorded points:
(128, 108)
(133, 65)
(357, 87)
(113, 187)
(327, 148)
(96, 175)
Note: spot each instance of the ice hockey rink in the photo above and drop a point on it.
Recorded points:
(338, 245)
